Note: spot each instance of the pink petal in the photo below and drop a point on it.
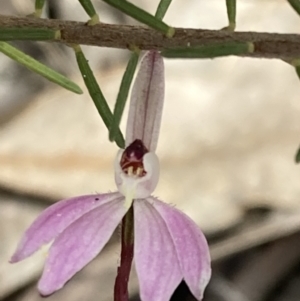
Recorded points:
(146, 103)
(78, 244)
(155, 256)
(191, 245)
(55, 219)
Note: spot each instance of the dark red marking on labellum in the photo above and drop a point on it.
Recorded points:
(132, 158)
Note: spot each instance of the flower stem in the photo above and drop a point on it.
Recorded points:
(121, 283)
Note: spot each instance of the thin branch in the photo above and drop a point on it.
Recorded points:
(267, 45)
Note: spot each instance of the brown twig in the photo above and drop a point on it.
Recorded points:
(267, 45)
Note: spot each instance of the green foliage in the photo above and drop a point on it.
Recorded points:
(37, 34)
(39, 4)
(162, 8)
(231, 13)
(297, 157)
(96, 94)
(296, 5)
(123, 94)
(142, 16)
(38, 67)
(209, 51)
(90, 10)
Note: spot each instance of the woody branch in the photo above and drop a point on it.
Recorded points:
(267, 45)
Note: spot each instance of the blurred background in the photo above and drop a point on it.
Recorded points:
(230, 132)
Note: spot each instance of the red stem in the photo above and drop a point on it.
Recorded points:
(121, 283)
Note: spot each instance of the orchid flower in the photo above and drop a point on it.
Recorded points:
(168, 246)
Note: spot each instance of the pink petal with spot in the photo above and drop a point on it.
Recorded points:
(155, 255)
(146, 102)
(78, 244)
(55, 219)
(191, 246)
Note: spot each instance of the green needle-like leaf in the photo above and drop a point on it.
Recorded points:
(123, 94)
(96, 94)
(296, 5)
(294, 63)
(298, 71)
(38, 67)
(37, 34)
(231, 13)
(297, 157)
(209, 51)
(90, 10)
(162, 9)
(142, 16)
(39, 4)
